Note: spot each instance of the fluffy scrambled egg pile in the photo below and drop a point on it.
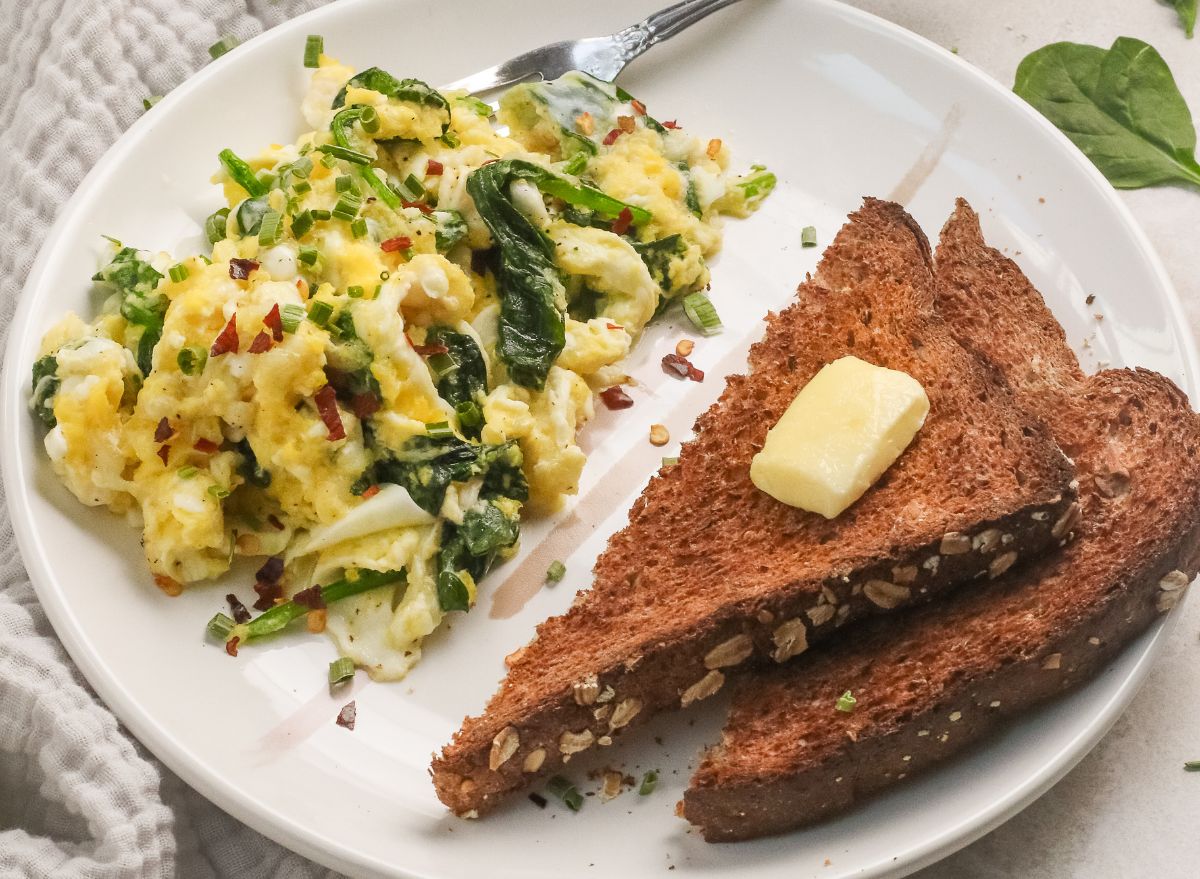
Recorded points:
(391, 347)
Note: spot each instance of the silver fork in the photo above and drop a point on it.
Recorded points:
(602, 57)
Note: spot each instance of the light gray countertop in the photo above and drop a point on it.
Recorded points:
(1128, 810)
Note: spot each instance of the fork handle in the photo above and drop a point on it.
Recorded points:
(665, 24)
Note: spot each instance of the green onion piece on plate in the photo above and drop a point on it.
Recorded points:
(290, 316)
(701, 312)
(150, 101)
(222, 46)
(846, 702)
(271, 230)
(308, 255)
(355, 291)
(649, 783)
(358, 228)
(808, 236)
(220, 626)
(178, 272)
(341, 669)
(565, 791)
(670, 462)
(439, 430)
(319, 312)
(215, 225)
(369, 120)
(280, 615)
(1192, 766)
(556, 571)
(314, 45)
(302, 223)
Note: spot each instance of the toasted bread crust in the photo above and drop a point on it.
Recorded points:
(787, 758)
(712, 575)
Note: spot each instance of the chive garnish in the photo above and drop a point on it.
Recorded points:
(358, 228)
(191, 360)
(556, 571)
(649, 783)
(308, 255)
(150, 101)
(319, 312)
(577, 163)
(344, 183)
(808, 236)
(302, 223)
(290, 316)
(468, 411)
(439, 430)
(242, 174)
(187, 472)
(314, 45)
(301, 187)
(271, 230)
(222, 46)
(178, 272)
(215, 225)
(846, 702)
(346, 154)
(220, 626)
(341, 669)
(702, 313)
(369, 120)
(669, 462)
(1191, 766)
(565, 791)
(347, 206)
(218, 491)
(355, 291)
(414, 190)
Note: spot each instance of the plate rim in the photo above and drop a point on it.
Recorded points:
(287, 832)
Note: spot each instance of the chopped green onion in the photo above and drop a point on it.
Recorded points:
(344, 183)
(468, 412)
(413, 189)
(670, 462)
(451, 140)
(439, 430)
(385, 274)
(271, 230)
(1192, 766)
(565, 791)
(221, 46)
(354, 291)
(556, 571)
(481, 108)
(301, 168)
(328, 160)
(808, 236)
(308, 255)
(302, 223)
(369, 120)
(577, 163)
(191, 360)
(649, 783)
(220, 626)
(301, 187)
(347, 206)
(242, 174)
(290, 316)
(187, 472)
(354, 157)
(314, 45)
(354, 583)
(149, 102)
(115, 242)
(341, 669)
(220, 492)
(702, 313)
(319, 312)
(846, 702)
(178, 272)
(358, 228)
(215, 225)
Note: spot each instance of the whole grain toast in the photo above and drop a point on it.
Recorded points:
(930, 682)
(712, 573)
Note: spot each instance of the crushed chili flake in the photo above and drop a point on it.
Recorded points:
(227, 341)
(315, 620)
(623, 221)
(611, 137)
(670, 123)
(613, 326)
(430, 350)
(274, 323)
(262, 343)
(231, 645)
(310, 598)
(168, 585)
(370, 491)
(268, 594)
(419, 205)
(240, 614)
(164, 452)
(364, 405)
(326, 400)
(433, 168)
(274, 522)
(586, 123)
(271, 570)
(163, 432)
(625, 123)
(681, 367)
(714, 148)
(206, 446)
(638, 107)
(391, 245)
(240, 269)
(347, 715)
(616, 398)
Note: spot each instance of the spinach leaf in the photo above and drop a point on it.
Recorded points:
(1187, 15)
(449, 229)
(657, 256)
(136, 281)
(249, 467)
(1121, 107)
(409, 90)
(460, 373)
(250, 213)
(470, 549)
(45, 386)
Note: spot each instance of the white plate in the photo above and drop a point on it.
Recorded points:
(839, 104)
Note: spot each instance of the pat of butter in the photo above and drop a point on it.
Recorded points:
(845, 427)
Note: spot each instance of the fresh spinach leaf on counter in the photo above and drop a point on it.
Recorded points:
(1120, 106)
(1187, 15)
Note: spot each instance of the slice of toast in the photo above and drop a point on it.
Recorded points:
(932, 681)
(712, 573)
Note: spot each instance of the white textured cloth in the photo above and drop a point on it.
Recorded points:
(78, 796)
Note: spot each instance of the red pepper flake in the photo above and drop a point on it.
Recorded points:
(274, 522)
(611, 137)
(364, 405)
(206, 446)
(262, 343)
(638, 107)
(268, 594)
(430, 350)
(240, 269)
(231, 645)
(326, 399)
(681, 367)
(240, 614)
(310, 598)
(347, 715)
(227, 341)
(623, 221)
(670, 123)
(271, 570)
(370, 492)
(163, 432)
(613, 326)
(433, 168)
(419, 205)
(168, 585)
(626, 124)
(616, 398)
(164, 452)
(391, 245)
(274, 323)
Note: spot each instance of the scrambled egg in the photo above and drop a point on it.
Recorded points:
(342, 384)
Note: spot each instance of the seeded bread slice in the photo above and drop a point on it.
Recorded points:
(712, 573)
(932, 681)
